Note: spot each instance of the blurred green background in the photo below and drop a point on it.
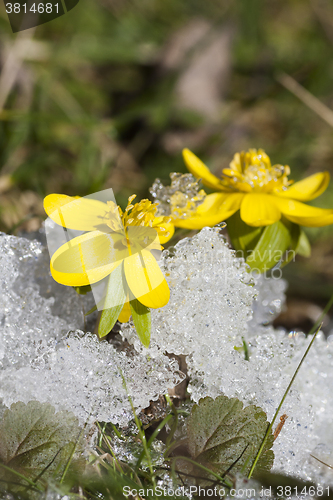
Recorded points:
(110, 93)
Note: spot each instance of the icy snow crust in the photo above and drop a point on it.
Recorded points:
(210, 299)
(214, 305)
(75, 371)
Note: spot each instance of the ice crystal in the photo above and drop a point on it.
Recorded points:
(35, 310)
(269, 301)
(87, 375)
(262, 381)
(274, 357)
(181, 198)
(206, 319)
(210, 302)
(76, 372)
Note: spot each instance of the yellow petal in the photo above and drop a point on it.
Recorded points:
(78, 213)
(159, 297)
(87, 259)
(217, 207)
(125, 314)
(145, 280)
(165, 231)
(200, 171)
(303, 214)
(259, 209)
(308, 188)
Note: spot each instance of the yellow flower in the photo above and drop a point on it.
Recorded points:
(114, 243)
(261, 192)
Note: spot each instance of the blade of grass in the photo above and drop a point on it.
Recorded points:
(69, 461)
(175, 423)
(117, 433)
(34, 485)
(141, 434)
(281, 403)
(246, 350)
(153, 436)
(18, 484)
(102, 431)
(322, 316)
(169, 449)
(105, 438)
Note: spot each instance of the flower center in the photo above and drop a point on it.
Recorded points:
(140, 214)
(252, 171)
(138, 224)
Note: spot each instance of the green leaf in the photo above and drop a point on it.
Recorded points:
(303, 246)
(269, 250)
(242, 236)
(115, 299)
(299, 243)
(108, 320)
(142, 321)
(223, 436)
(35, 440)
(295, 233)
(264, 247)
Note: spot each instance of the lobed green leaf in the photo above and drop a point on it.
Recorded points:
(223, 436)
(35, 440)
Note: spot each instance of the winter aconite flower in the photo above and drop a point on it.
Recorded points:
(261, 191)
(116, 244)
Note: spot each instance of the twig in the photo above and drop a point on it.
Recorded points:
(280, 425)
(324, 17)
(13, 64)
(306, 97)
(324, 463)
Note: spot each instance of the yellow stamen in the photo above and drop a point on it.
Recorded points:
(252, 171)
